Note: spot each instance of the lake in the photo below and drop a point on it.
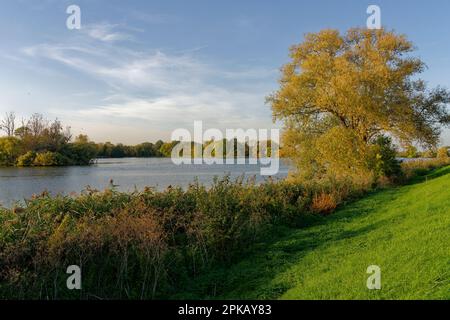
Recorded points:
(128, 174)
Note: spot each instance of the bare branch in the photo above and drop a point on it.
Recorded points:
(8, 124)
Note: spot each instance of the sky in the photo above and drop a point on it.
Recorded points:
(139, 69)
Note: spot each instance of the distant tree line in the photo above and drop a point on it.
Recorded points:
(143, 150)
(39, 142)
(411, 151)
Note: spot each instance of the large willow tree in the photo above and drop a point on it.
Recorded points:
(339, 93)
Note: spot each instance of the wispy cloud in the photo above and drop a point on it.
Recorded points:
(218, 107)
(165, 89)
(106, 32)
(124, 68)
(152, 18)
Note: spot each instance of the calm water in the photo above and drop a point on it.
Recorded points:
(17, 184)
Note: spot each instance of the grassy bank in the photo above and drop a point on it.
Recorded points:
(405, 231)
(153, 244)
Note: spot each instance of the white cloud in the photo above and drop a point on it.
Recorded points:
(106, 32)
(152, 18)
(218, 107)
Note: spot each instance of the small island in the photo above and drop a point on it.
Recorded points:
(38, 142)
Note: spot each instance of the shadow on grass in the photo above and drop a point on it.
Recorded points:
(427, 175)
(252, 277)
(438, 173)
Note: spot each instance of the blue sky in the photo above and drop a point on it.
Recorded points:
(137, 70)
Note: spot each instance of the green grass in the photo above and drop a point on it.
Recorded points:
(405, 231)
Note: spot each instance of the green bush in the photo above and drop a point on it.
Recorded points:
(383, 160)
(411, 152)
(10, 149)
(81, 152)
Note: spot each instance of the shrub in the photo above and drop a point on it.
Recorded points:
(49, 159)
(443, 153)
(323, 203)
(81, 152)
(27, 159)
(430, 153)
(411, 152)
(10, 149)
(383, 159)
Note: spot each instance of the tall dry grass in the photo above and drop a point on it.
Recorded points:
(422, 166)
